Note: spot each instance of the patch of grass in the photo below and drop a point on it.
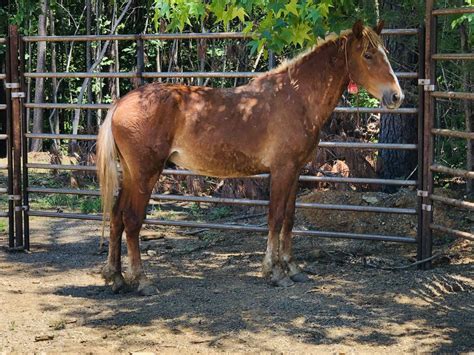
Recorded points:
(3, 225)
(54, 201)
(196, 210)
(220, 212)
(85, 204)
(90, 205)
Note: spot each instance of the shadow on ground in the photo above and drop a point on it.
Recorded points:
(211, 287)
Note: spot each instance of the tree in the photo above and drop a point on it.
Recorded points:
(37, 144)
(396, 128)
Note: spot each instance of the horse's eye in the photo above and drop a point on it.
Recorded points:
(367, 56)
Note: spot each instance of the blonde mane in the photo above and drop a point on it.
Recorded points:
(370, 38)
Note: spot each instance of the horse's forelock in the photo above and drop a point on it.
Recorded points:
(370, 39)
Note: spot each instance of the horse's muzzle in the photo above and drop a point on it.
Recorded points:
(392, 99)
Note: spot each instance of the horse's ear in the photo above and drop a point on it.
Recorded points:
(378, 27)
(357, 29)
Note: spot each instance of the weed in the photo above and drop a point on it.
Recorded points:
(220, 212)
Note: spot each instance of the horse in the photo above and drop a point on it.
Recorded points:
(270, 125)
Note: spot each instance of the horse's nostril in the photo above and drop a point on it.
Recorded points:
(395, 97)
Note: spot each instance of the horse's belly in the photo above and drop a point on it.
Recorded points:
(221, 164)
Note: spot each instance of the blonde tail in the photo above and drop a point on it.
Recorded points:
(107, 170)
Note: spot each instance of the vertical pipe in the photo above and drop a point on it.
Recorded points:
(11, 207)
(271, 59)
(16, 125)
(24, 150)
(421, 71)
(140, 61)
(430, 47)
(88, 65)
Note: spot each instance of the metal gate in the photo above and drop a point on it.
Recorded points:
(431, 133)
(20, 138)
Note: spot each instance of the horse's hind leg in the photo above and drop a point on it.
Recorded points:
(112, 272)
(139, 190)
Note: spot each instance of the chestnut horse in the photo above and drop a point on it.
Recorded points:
(270, 125)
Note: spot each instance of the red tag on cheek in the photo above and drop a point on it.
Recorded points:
(352, 88)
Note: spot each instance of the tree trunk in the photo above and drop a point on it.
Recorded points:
(54, 117)
(397, 164)
(468, 111)
(85, 83)
(88, 64)
(396, 128)
(37, 144)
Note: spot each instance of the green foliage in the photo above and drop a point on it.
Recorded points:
(274, 24)
(220, 212)
(363, 99)
(70, 202)
(457, 20)
(3, 225)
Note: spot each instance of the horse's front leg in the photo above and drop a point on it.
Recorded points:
(282, 184)
(286, 239)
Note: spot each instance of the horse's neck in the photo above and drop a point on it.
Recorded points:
(320, 79)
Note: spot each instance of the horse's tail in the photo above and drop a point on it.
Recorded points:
(107, 170)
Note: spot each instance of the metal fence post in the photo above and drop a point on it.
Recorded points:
(420, 187)
(24, 149)
(428, 151)
(140, 61)
(11, 207)
(16, 96)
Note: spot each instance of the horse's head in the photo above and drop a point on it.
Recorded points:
(369, 67)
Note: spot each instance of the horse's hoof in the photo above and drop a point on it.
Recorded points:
(147, 289)
(108, 274)
(119, 284)
(284, 282)
(300, 277)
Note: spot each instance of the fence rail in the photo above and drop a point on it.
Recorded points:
(235, 201)
(340, 109)
(306, 178)
(322, 144)
(175, 75)
(452, 134)
(172, 36)
(235, 227)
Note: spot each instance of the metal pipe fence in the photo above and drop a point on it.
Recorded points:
(213, 200)
(431, 133)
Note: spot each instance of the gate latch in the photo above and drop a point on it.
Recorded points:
(18, 95)
(12, 85)
(421, 193)
(427, 86)
(425, 207)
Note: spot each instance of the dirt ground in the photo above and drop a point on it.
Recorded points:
(212, 298)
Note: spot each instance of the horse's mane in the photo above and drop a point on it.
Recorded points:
(369, 39)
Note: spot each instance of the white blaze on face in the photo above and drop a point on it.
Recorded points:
(394, 77)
